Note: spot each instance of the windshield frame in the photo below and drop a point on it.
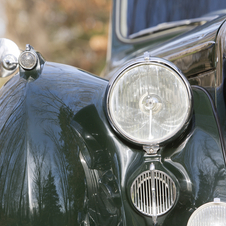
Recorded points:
(120, 26)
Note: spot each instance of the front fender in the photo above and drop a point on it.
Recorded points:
(61, 163)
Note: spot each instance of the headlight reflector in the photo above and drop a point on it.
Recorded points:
(212, 214)
(149, 102)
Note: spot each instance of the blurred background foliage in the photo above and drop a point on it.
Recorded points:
(73, 32)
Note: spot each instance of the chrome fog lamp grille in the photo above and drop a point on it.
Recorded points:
(153, 193)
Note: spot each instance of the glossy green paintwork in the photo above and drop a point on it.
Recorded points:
(62, 163)
(42, 180)
(192, 51)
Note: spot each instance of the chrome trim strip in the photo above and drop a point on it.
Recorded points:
(153, 194)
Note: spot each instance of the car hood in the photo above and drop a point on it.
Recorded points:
(39, 154)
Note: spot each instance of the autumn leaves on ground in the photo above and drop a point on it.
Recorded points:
(71, 32)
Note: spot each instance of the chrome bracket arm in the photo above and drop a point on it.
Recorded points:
(153, 191)
(151, 149)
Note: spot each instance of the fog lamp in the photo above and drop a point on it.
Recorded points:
(149, 101)
(209, 214)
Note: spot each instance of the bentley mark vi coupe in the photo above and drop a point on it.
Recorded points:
(142, 146)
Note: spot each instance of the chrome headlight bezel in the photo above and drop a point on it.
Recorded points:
(142, 61)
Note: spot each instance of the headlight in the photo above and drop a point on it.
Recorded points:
(149, 101)
(212, 213)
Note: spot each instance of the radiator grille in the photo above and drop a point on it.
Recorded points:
(153, 193)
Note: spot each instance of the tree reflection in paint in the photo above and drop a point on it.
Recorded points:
(51, 206)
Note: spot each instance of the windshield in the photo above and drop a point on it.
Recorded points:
(137, 15)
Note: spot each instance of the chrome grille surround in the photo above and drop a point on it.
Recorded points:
(153, 193)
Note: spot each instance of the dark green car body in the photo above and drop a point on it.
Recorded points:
(62, 163)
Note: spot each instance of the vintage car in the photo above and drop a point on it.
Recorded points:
(142, 146)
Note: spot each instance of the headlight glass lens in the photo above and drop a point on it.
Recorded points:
(148, 103)
(211, 214)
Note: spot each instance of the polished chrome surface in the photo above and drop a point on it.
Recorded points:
(143, 60)
(9, 62)
(153, 193)
(151, 149)
(9, 53)
(28, 59)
